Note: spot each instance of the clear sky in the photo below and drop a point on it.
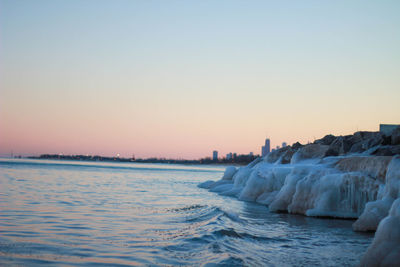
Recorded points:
(182, 78)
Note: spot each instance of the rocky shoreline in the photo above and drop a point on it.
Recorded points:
(355, 176)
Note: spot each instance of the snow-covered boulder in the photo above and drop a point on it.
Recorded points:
(229, 172)
(385, 248)
(309, 151)
(264, 183)
(284, 197)
(241, 176)
(373, 213)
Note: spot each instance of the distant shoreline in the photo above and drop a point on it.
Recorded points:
(240, 160)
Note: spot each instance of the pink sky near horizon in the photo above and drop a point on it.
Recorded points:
(180, 80)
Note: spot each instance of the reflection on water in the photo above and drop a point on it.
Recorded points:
(75, 213)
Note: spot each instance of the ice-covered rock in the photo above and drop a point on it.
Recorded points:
(375, 211)
(305, 195)
(287, 156)
(206, 184)
(222, 187)
(342, 195)
(393, 178)
(363, 182)
(362, 187)
(229, 172)
(218, 183)
(310, 151)
(276, 155)
(264, 183)
(284, 197)
(254, 187)
(241, 176)
(233, 192)
(385, 248)
(375, 167)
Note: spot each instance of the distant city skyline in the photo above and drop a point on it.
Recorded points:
(178, 79)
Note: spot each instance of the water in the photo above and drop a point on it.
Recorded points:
(89, 213)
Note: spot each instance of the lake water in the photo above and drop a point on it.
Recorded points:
(91, 213)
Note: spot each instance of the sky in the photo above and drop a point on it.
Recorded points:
(179, 79)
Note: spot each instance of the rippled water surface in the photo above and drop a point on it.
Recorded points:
(86, 213)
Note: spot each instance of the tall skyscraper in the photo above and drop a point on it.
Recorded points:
(266, 148)
(284, 144)
(215, 155)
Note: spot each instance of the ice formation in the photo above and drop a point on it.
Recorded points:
(376, 210)
(354, 176)
(385, 248)
(302, 188)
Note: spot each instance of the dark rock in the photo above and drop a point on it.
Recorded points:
(287, 156)
(310, 151)
(276, 155)
(348, 137)
(340, 146)
(296, 146)
(364, 135)
(395, 138)
(386, 140)
(357, 148)
(354, 139)
(383, 151)
(378, 139)
(326, 140)
(395, 149)
(331, 153)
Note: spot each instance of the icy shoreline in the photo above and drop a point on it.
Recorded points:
(356, 176)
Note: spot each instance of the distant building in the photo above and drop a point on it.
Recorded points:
(215, 155)
(387, 129)
(284, 144)
(266, 148)
(234, 155)
(251, 154)
(277, 147)
(229, 156)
